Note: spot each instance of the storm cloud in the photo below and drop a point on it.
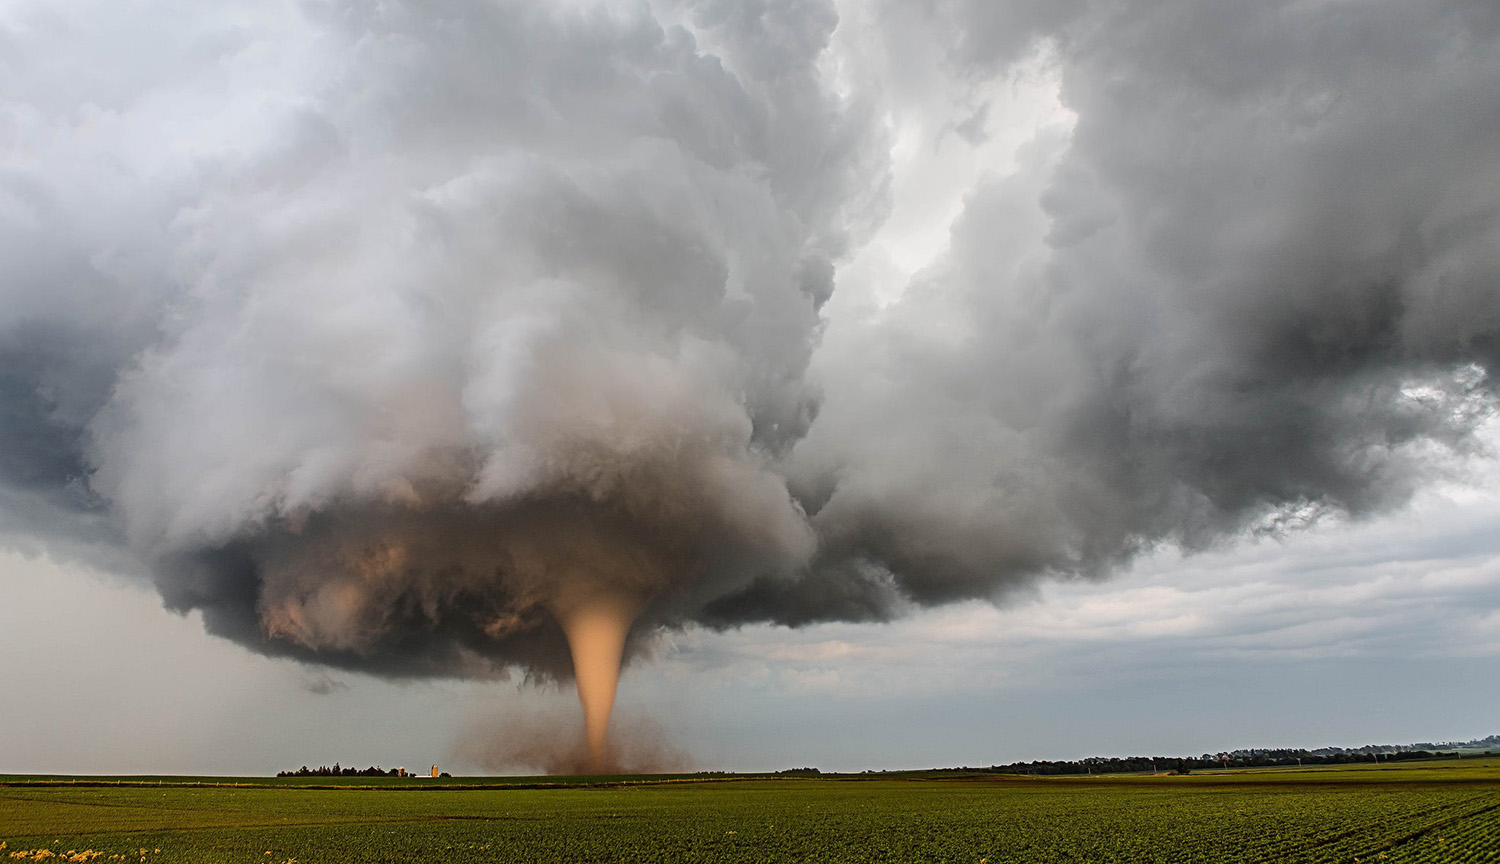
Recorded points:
(377, 332)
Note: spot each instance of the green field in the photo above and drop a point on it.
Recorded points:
(1440, 811)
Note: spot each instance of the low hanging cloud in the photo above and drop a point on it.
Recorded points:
(379, 332)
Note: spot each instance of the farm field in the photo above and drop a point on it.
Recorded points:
(1440, 811)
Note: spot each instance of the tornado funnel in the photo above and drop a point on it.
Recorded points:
(596, 627)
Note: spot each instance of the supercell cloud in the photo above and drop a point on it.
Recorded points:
(389, 334)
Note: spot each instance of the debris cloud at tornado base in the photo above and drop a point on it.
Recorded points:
(527, 739)
(396, 337)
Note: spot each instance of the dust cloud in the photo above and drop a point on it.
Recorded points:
(532, 741)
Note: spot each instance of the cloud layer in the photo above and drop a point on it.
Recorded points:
(379, 332)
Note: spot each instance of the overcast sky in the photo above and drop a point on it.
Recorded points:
(944, 382)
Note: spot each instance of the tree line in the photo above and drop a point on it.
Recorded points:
(340, 771)
(1181, 765)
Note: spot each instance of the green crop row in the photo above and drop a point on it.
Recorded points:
(1408, 814)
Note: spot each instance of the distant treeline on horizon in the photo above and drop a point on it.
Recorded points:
(339, 771)
(1249, 758)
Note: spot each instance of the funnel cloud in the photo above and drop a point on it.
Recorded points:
(479, 338)
(596, 625)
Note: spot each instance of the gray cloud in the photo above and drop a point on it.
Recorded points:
(475, 305)
(375, 331)
(1254, 284)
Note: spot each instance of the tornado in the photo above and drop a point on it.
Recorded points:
(596, 626)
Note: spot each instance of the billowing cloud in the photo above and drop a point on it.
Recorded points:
(1253, 283)
(386, 333)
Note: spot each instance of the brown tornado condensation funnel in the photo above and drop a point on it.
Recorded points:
(596, 625)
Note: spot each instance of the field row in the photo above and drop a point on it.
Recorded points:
(1403, 815)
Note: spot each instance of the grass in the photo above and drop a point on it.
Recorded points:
(1441, 811)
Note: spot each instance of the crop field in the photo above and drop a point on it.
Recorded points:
(1440, 811)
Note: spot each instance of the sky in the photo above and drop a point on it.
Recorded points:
(930, 383)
